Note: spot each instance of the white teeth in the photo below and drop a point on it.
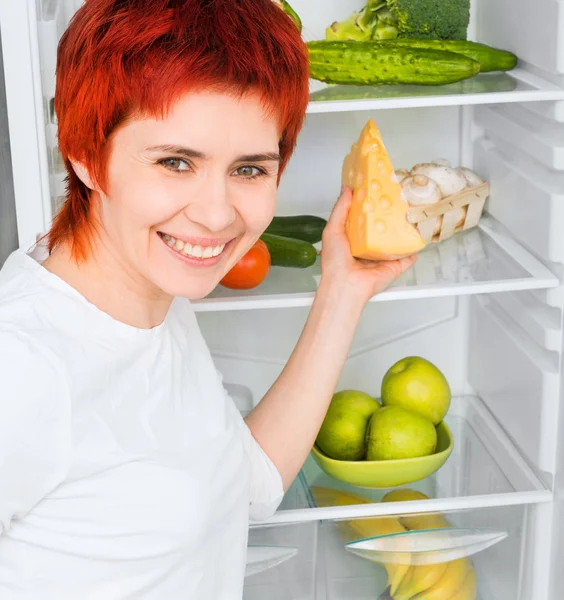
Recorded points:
(188, 250)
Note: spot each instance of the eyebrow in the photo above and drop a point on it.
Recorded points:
(190, 153)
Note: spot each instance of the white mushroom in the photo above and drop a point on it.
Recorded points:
(443, 162)
(449, 180)
(401, 174)
(419, 190)
(472, 178)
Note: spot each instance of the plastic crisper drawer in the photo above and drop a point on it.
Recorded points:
(532, 30)
(452, 551)
(540, 137)
(525, 196)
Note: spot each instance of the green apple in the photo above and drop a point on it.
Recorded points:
(343, 431)
(416, 384)
(394, 432)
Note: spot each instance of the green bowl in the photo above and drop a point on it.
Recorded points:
(387, 473)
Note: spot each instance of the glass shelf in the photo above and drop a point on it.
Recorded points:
(484, 470)
(517, 85)
(481, 260)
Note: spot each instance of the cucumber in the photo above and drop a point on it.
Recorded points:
(490, 59)
(301, 227)
(286, 252)
(377, 63)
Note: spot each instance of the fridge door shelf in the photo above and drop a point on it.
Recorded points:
(541, 138)
(484, 470)
(526, 196)
(485, 259)
(518, 379)
(518, 85)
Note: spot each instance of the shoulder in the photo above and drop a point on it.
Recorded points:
(20, 290)
(33, 378)
(35, 423)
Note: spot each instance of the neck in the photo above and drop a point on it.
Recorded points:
(113, 286)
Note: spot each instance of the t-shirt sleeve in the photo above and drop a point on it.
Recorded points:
(35, 433)
(267, 489)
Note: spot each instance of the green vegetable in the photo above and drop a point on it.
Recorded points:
(290, 12)
(376, 63)
(359, 26)
(490, 59)
(286, 252)
(302, 227)
(419, 19)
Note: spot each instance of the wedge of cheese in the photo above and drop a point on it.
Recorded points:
(377, 227)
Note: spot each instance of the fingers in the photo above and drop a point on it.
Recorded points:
(404, 263)
(340, 212)
(407, 262)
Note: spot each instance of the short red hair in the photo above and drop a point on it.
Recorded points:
(119, 58)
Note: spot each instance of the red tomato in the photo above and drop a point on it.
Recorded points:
(251, 270)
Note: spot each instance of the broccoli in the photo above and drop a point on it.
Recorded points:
(418, 19)
(434, 19)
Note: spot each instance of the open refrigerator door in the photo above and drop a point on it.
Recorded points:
(484, 305)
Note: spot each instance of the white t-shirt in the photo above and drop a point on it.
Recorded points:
(126, 472)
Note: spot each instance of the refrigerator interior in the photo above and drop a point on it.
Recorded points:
(485, 306)
(8, 228)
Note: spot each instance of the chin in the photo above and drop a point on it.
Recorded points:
(191, 292)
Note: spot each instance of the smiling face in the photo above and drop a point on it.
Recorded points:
(188, 195)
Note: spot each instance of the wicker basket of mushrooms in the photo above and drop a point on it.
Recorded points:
(443, 200)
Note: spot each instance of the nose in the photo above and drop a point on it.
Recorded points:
(211, 207)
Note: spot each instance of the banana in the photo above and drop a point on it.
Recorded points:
(469, 589)
(420, 578)
(324, 496)
(367, 528)
(355, 529)
(422, 521)
(450, 583)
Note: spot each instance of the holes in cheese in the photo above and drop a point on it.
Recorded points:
(377, 227)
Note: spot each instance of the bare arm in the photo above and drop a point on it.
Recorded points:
(287, 420)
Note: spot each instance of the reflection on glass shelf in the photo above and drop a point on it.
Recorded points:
(426, 547)
(481, 260)
(485, 469)
(262, 558)
(486, 88)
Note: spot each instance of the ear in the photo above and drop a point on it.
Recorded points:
(83, 174)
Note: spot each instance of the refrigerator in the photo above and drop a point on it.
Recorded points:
(486, 305)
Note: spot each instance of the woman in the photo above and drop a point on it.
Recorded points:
(125, 471)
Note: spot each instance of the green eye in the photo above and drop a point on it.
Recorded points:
(249, 172)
